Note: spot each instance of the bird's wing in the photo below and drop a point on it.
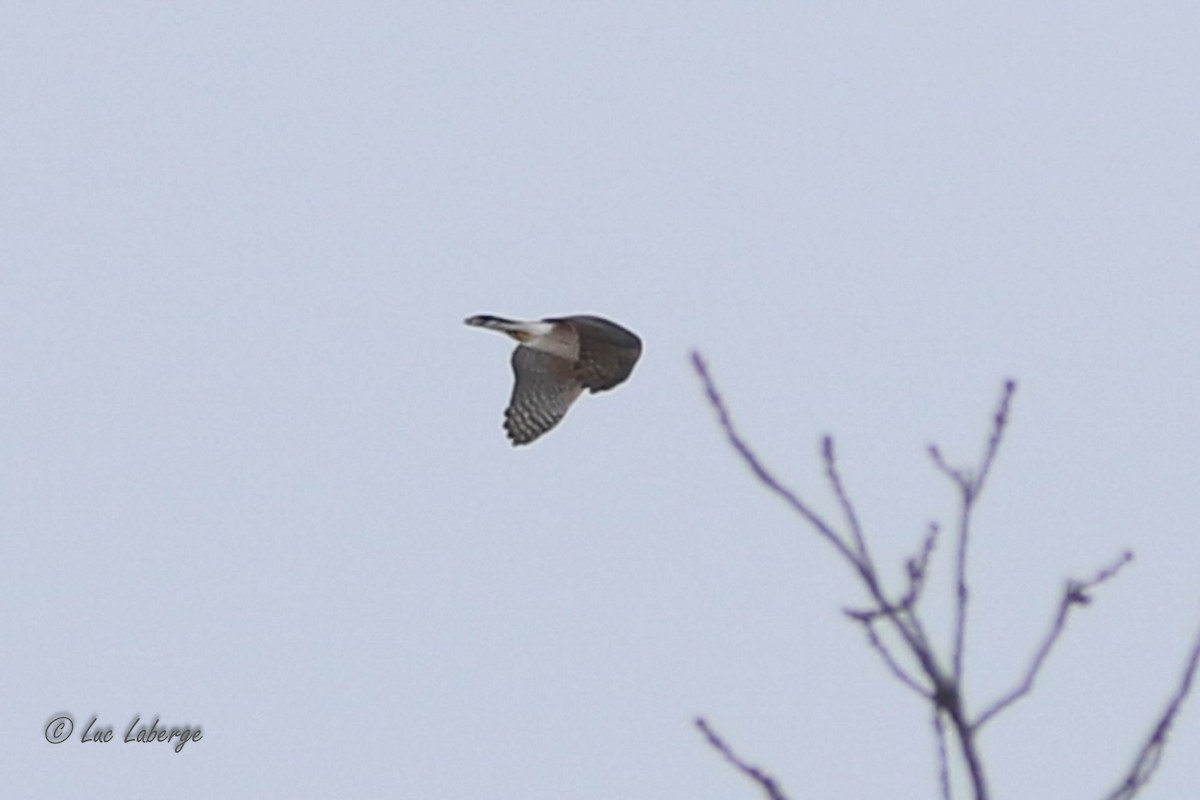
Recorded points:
(545, 388)
(607, 352)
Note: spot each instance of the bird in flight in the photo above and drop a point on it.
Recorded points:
(555, 360)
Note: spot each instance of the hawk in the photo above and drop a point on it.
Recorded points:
(555, 360)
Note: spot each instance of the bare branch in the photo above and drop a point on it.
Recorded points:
(1151, 753)
(1075, 593)
(945, 691)
(769, 785)
(761, 472)
(906, 625)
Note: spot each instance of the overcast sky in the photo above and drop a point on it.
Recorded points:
(253, 477)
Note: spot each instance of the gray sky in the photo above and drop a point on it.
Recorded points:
(253, 475)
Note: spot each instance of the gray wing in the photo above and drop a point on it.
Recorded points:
(607, 352)
(545, 388)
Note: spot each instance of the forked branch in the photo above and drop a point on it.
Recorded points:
(970, 485)
(941, 687)
(1075, 594)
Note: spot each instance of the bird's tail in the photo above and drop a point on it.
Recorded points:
(523, 332)
(495, 323)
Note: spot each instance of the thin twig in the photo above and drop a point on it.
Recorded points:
(769, 785)
(839, 489)
(918, 569)
(950, 472)
(939, 732)
(970, 487)
(901, 674)
(1150, 755)
(761, 472)
(963, 593)
(1075, 593)
(999, 424)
